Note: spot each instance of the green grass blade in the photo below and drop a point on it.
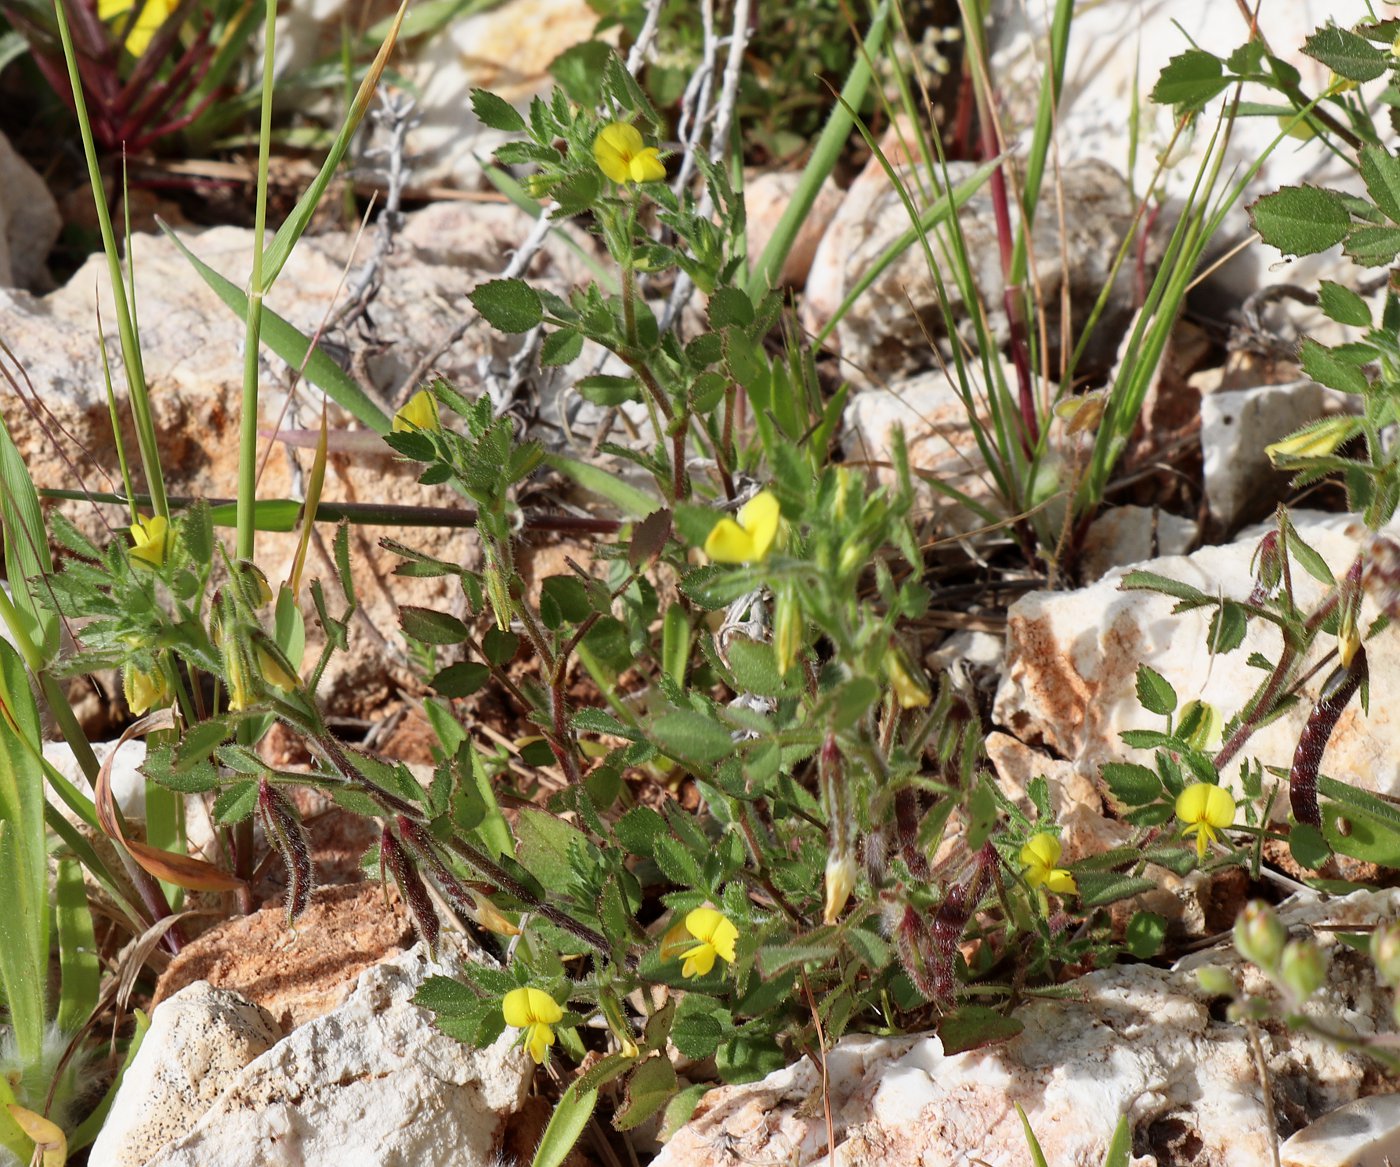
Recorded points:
(26, 544)
(291, 231)
(77, 950)
(571, 1115)
(1037, 1155)
(825, 153)
(1120, 1146)
(291, 345)
(634, 503)
(24, 924)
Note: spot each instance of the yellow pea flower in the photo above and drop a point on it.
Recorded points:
(716, 935)
(420, 412)
(621, 155)
(749, 537)
(536, 1012)
(144, 690)
(1038, 857)
(907, 680)
(242, 689)
(274, 673)
(1206, 810)
(149, 539)
(154, 13)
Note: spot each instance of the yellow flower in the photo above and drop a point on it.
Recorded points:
(534, 1011)
(420, 412)
(149, 537)
(620, 155)
(144, 690)
(908, 682)
(1039, 856)
(273, 672)
(242, 690)
(748, 538)
(154, 13)
(840, 882)
(716, 936)
(1206, 809)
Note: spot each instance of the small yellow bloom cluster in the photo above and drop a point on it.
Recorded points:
(536, 1012)
(1038, 858)
(621, 155)
(1206, 810)
(749, 536)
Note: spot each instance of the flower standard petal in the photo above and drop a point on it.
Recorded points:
(748, 537)
(149, 537)
(1205, 809)
(614, 149)
(420, 412)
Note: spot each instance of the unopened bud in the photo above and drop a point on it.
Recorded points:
(1349, 619)
(1200, 725)
(1267, 566)
(906, 679)
(1303, 968)
(789, 629)
(1259, 935)
(1216, 981)
(840, 882)
(145, 690)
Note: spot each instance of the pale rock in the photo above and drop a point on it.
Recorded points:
(972, 661)
(766, 198)
(940, 436)
(1241, 483)
(198, 1043)
(1116, 52)
(507, 49)
(192, 346)
(371, 1082)
(1072, 660)
(1126, 535)
(887, 332)
(128, 783)
(29, 223)
(1139, 1041)
(1364, 1133)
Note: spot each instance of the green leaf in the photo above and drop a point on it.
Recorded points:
(688, 736)
(633, 503)
(1154, 691)
(27, 556)
(1308, 846)
(730, 306)
(569, 1120)
(1037, 1155)
(1324, 366)
(1145, 935)
(1120, 1147)
(1131, 784)
(428, 626)
(1097, 888)
(560, 347)
(649, 1088)
(1346, 54)
(1227, 628)
(1373, 246)
(543, 844)
(606, 390)
(1380, 171)
(236, 803)
(1301, 220)
(1343, 305)
(697, 1031)
(461, 679)
(288, 343)
(496, 112)
(755, 667)
(1150, 581)
(579, 70)
(975, 1026)
(1190, 80)
(80, 976)
(508, 305)
(500, 647)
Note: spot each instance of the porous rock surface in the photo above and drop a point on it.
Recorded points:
(1072, 657)
(29, 224)
(372, 1082)
(1138, 1040)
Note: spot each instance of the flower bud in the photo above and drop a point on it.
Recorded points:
(145, 690)
(789, 629)
(1216, 981)
(840, 882)
(1200, 724)
(1267, 565)
(1303, 968)
(1349, 616)
(1259, 935)
(906, 679)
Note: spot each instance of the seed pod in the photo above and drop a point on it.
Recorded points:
(1303, 968)
(420, 904)
(950, 922)
(1259, 935)
(286, 834)
(1307, 758)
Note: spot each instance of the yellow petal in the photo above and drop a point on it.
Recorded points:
(675, 941)
(748, 538)
(420, 412)
(1061, 882)
(273, 672)
(540, 1039)
(728, 542)
(647, 166)
(149, 536)
(515, 1007)
(1041, 850)
(615, 147)
(699, 961)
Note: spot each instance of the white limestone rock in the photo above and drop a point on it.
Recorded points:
(198, 1043)
(1132, 534)
(1072, 659)
(1139, 1041)
(371, 1082)
(1364, 1133)
(29, 222)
